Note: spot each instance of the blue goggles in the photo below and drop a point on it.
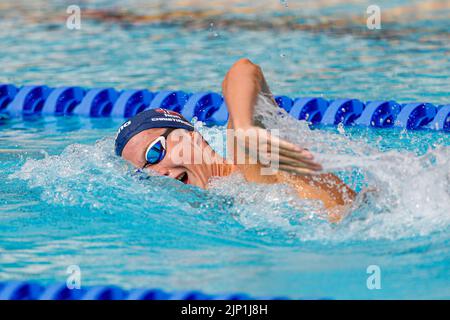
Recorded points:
(157, 150)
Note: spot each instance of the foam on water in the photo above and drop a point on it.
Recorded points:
(409, 193)
(79, 204)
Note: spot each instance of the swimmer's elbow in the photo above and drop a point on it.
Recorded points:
(244, 63)
(242, 68)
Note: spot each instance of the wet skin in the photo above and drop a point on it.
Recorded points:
(334, 194)
(297, 167)
(187, 171)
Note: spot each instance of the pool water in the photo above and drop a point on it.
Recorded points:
(66, 199)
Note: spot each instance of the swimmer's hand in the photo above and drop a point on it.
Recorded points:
(270, 151)
(240, 87)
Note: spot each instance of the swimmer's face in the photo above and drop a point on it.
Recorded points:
(178, 163)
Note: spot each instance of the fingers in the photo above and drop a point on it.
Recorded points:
(302, 158)
(299, 155)
(288, 146)
(269, 149)
(266, 157)
(297, 170)
(262, 136)
(293, 155)
(296, 157)
(276, 145)
(290, 150)
(283, 160)
(280, 157)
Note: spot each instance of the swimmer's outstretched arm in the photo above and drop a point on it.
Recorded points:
(240, 87)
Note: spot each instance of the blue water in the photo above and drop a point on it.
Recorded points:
(65, 199)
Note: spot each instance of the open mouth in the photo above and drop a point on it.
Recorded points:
(183, 177)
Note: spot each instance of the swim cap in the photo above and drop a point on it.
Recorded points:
(149, 119)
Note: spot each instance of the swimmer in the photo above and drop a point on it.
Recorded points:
(161, 141)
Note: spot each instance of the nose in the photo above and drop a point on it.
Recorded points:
(163, 171)
(170, 172)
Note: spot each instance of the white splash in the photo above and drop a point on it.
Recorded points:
(412, 196)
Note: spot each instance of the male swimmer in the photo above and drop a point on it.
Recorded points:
(158, 139)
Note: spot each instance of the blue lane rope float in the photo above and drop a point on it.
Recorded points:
(29, 290)
(63, 101)
(210, 107)
(309, 109)
(379, 114)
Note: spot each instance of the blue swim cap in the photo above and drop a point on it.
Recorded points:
(149, 119)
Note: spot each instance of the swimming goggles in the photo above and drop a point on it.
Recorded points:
(156, 151)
